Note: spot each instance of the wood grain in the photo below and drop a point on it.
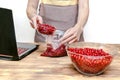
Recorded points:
(36, 67)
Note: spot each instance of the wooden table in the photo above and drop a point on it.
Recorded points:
(36, 67)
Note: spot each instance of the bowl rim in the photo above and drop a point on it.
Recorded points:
(89, 56)
(93, 44)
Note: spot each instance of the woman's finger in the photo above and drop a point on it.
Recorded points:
(32, 24)
(35, 24)
(67, 32)
(68, 39)
(74, 40)
(65, 36)
(39, 18)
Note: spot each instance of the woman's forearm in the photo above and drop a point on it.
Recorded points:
(83, 13)
(32, 8)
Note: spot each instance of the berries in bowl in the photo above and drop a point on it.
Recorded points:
(91, 58)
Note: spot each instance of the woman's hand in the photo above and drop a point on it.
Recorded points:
(71, 35)
(34, 21)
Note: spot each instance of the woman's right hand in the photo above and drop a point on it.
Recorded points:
(34, 21)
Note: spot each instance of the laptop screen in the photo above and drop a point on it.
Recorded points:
(7, 34)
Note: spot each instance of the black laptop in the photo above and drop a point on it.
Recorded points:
(9, 48)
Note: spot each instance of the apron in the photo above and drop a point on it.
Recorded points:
(62, 17)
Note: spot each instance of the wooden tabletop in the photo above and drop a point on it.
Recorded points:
(36, 67)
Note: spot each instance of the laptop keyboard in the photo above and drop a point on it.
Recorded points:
(21, 50)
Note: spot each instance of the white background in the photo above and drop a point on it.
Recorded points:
(104, 21)
(24, 32)
(102, 26)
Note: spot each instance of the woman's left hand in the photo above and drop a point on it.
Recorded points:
(71, 35)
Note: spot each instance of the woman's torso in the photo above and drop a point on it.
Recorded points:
(60, 13)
